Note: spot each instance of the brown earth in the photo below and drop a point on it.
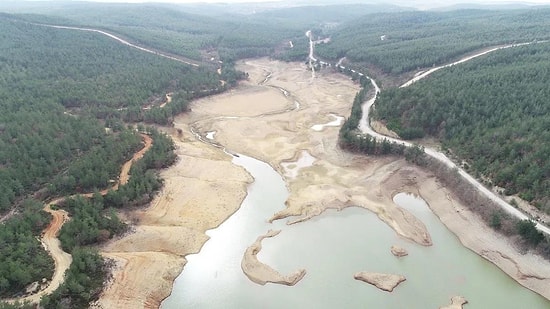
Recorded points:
(61, 258)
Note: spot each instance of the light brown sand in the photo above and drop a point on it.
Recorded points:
(204, 188)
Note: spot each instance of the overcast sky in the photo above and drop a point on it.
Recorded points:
(236, 1)
(419, 4)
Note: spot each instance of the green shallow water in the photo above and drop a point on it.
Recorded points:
(333, 247)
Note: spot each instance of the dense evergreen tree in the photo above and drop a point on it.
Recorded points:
(407, 41)
(83, 282)
(22, 258)
(492, 112)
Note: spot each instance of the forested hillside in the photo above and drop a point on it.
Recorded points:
(492, 111)
(64, 96)
(53, 84)
(213, 31)
(197, 37)
(406, 41)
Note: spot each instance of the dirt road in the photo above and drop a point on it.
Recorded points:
(52, 244)
(59, 216)
(125, 172)
(365, 127)
(119, 39)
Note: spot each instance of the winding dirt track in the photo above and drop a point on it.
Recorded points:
(52, 244)
(125, 172)
(49, 239)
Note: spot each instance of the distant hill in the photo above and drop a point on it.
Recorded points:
(421, 39)
(494, 7)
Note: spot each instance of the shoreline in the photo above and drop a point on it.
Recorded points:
(529, 270)
(175, 223)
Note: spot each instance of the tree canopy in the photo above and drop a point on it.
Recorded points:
(406, 41)
(492, 112)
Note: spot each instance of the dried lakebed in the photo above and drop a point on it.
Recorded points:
(334, 245)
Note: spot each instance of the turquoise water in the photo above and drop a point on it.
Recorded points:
(333, 247)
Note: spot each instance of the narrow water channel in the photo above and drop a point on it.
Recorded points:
(213, 278)
(332, 247)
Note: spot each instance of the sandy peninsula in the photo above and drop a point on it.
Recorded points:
(261, 273)
(261, 120)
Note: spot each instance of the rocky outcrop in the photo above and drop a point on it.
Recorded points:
(398, 251)
(457, 302)
(385, 282)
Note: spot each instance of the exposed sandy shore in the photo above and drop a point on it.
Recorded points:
(529, 270)
(261, 273)
(385, 282)
(201, 190)
(204, 188)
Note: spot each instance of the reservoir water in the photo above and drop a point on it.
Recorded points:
(332, 248)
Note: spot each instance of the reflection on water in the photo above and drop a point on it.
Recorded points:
(333, 247)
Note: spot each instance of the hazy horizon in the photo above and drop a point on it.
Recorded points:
(401, 2)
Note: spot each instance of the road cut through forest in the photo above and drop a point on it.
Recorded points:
(59, 216)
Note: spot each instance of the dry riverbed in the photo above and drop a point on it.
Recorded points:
(204, 188)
